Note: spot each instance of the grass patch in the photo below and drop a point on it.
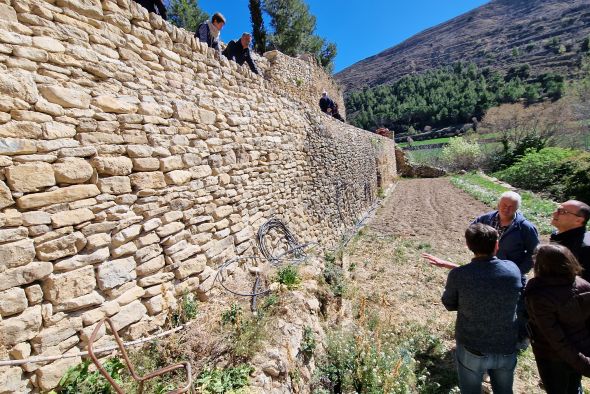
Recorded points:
(227, 380)
(536, 209)
(426, 142)
(288, 276)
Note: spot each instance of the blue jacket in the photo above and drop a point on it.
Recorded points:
(203, 33)
(485, 293)
(518, 242)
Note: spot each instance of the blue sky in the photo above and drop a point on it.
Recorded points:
(359, 28)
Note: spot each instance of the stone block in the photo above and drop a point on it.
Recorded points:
(30, 177)
(116, 272)
(19, 84)
(34, 218)
(148, 253)
(48, 376)
(34, 294)
(66, 97)
(146, 164)
(126, 235)
(72, 170)
(155, 279)
(222, 212)
(154, 305)
(129, 314)
(16, 254)
(97, 241)
(112, 165)
(13, 301)
(81, 260)
(61, 247)
(151, 266)
(59, 288)
(207, 117)
(124, 250)
(22, 327)
(71, 218)
(6, 199)
(202, 171)
(139, 151)
(13, 234)
(114, 104)
(21, 129)
(190, 267)
(48, 44)
(169, 229)
(26, 274)
(130, 295)
(61, 195)
(55, 130)
(82, 302)
(57, 333)
(17, 146)
(147, 180)
(178, 177)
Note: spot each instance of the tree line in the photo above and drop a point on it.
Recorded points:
(291, 27)
(448, 96)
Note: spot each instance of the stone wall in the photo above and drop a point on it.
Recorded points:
(133, 160)
(301, 79)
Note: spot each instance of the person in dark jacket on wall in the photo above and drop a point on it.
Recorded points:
(485, 293)
(155, 6)
(239, 51)
(209, 31)
(326, 103)
(570, 220)
(558, 304)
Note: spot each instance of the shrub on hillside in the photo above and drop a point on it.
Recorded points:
(558, 171)
(461, 154)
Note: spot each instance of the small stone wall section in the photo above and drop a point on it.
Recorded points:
(134, 160)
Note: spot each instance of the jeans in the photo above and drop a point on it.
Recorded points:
(558, 377)
(471, 367)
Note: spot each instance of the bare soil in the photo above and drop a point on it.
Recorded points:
(419, 215)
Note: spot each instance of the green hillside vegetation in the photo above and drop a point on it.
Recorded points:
(448, 96)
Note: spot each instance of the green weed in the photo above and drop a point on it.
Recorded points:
(228, 380)
(232, 315)
(78, 380)
(186, 310)
(288, 276)
(308, 343)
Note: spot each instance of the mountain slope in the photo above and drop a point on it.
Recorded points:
(549, 35)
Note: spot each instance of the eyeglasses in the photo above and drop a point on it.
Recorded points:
(561, 211)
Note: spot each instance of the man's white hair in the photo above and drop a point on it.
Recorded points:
(514, 196)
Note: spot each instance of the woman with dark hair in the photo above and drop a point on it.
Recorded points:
(558, 319)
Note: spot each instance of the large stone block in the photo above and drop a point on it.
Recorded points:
(129, 314)
(115, 185)
(19, 84)
(16, 254)
(82, 302)
(114, 104)
(178, 177)
(16, 129)
(62, 287)
(66, 97)
(26, 274)
(72, 170)
(17, 146)
(13, 234)
(147, 180)
(30, 177)
(49, 375)
(48, 44)
(7, 13)
(64, 194)
(81, 260)
(53, 335)
(22, 327)
(55, 130)
(190, 267)
(71, 218)
(116, 272)
(13, 301)
(112, 165)
(61, 247)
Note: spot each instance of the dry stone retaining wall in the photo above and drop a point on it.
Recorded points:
(133, 160)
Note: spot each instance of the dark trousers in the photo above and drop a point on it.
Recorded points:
(558, 377)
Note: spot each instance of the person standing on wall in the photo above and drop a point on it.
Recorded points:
(239, 51)
(155, 6)
(209, 31)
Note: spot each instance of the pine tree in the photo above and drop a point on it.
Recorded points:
(186, 14)
(258, 30)
(293, 29)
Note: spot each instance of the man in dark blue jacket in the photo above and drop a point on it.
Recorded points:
(518, 236)
(239, 51)
(485, 293)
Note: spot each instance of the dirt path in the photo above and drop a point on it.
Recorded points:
(419, 215)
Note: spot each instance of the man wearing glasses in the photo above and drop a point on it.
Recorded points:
(570, 220)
